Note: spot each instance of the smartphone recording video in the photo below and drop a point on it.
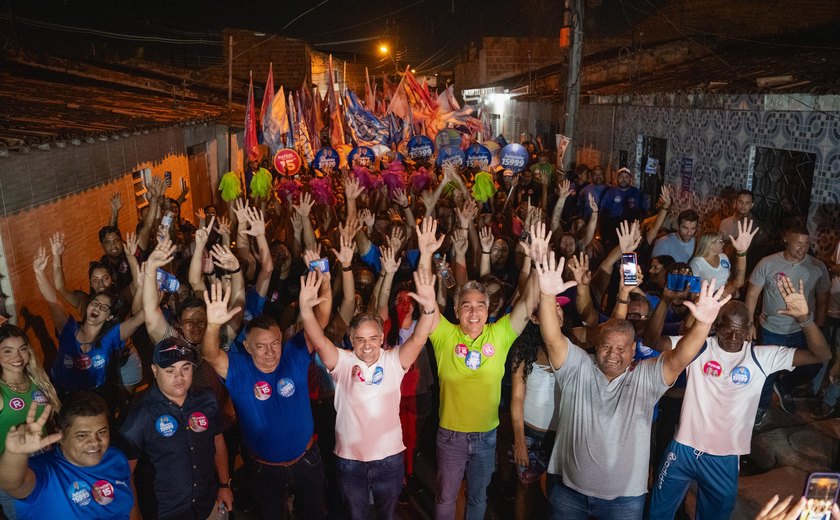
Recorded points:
(630, 268)
(820, 495)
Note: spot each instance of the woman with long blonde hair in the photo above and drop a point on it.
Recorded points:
(710, 262)
(23, 384)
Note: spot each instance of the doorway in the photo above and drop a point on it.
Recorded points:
(781, 184)
(651, 174)
(199, 176)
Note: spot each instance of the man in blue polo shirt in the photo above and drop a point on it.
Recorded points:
(175, 431)
(268, 385)
(82, 478)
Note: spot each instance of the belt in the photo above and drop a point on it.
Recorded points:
(291, 462)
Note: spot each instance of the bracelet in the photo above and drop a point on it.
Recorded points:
(625, 302)
(150, 275)
(237, 270)
(428, 313)
(347, 269)
(807, 322)
(485, 252)
(225, 485)
(404, 207)
(741, 254)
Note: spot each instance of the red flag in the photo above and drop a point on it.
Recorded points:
(268, 95)
(250, 144)
(336, 128)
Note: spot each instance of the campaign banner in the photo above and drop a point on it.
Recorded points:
(686, 169)
(326, 159)
(420, 147)
(514, 157)
(361, 156)
(562, 144)
(478, 155)
(287, 161)
(451, 155)
(448, 137)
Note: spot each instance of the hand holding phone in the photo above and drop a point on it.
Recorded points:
(820, 494)
(322, 264)
(630, 268)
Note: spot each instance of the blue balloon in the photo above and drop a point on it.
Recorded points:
(361, 155)
(480, 153)
(326, 159)
(420, 147)
(514, 157)
(451, 155)
(447, 137)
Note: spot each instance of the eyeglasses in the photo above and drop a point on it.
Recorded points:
(96, 304)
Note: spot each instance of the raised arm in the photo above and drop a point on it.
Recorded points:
(39, 264)
(591, 224)
(218, 313)
(427, 242)
(57, 246)
(551, 284)
(348, 284)
(226, 260)
(401, 199)
(486, 240)
(563, 190)
(459, 248)
(741, 243)
(390, 265)
(130, 249)
(116, 206)
(155, 192)
(156, 324)
(579, 266)
(21, 442)
(539, 247)
(424, 283)
(705, 310)
(256, 229)
(243, 243)
(665, 198)
(363, 242)
(796, 307)
(352, 191)
(310, 290)
(202, 235)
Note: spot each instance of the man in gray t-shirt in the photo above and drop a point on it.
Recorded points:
(599, 465)
(776, 329)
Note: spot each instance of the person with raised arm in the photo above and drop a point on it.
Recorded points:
(599, 465)
(367, 380)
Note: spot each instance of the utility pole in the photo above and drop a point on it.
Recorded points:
(573, 80)
(230, 98)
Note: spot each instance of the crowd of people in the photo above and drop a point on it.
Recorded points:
(550, 326)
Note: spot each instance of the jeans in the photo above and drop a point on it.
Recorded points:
(795, 340)
(271, 486)
(568, 504)
(458, 452)
(831, 330)
(7, 504)
(357, 480)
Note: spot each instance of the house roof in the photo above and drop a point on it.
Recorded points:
(50, 99)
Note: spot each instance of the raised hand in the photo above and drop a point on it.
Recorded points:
(708, 303)
(428, 198)
(130, 244)
(352, 188)
(550, 274)
(367, 218)
(304, 206)
(224, 226)
(39, 263)
(311, 255)
(350, 228)
(310, 286)
(162, 254)
(746, 233)
(217, 300)
(390, 264)
(564, 188)
(467, 215)
(797, 304)
(256, 222)
(579, 266)
(629, 236)
(401, 198)
(156, 189)
(224, 258)
(29, 438)
(202, 234)
(486, 238)
(665, 197)
(427, 240)
(240, 209)
(539, 241)
(424, 283)
(345, 254)
(459, 242)
(116, 202)
(592, 204)
(57, 244)
(396, 239)
(297, 222)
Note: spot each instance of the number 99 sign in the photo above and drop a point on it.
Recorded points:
(287, 161)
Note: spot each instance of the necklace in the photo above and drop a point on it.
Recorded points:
(17, 387)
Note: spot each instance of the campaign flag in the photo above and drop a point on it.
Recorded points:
(276, 123)
(303, 143)
(370, 98)
(268, 95)
(366, 128)
(336, 128)
(389, 88)
(290, 142)
(250, 142)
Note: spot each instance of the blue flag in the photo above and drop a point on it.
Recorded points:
(366, 128)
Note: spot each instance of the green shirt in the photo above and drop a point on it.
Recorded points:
(16, 407)
(547, 170)
(471, 373)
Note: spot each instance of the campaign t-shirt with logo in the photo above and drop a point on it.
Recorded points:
(273, 409)
(66, 491)
(470, 372)
(722, 395)
(367, 405)
(700, 267)
(16, 407)
(74, 369)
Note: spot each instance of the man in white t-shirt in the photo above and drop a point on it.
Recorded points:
(368, 435)
(721, 398)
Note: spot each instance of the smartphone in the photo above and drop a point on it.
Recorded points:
(167, 178)
(694, 283)
(676, 282)
(322, 264)
(820, 495)
(630, 268)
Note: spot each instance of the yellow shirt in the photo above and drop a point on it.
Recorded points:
(471, 374)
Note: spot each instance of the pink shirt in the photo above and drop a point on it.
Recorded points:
(367, 404)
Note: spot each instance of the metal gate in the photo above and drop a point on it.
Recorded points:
(781, 184)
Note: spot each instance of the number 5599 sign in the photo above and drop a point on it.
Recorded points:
(287, 161)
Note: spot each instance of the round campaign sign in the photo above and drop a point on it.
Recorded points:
(420, 147)
(361, 156)
(514, 157)
(478, 153)
(448, 137)
(326, 159)
(451, 155)
(287, 161)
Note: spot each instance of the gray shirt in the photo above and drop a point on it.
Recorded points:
(671, 245)
(602, 448)
(811, 270)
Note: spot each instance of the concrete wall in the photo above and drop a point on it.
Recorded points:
(253, 52)
(496, 58)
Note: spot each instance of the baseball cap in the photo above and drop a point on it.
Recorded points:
(172, 350)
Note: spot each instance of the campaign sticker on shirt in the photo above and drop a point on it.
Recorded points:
(82, 362)
(98, 361)
(198, 422)
(617, 199)
(712, 368)
(356, 374)
(377, 376)
(286, 387)
(724, 263)
(262, 390)
(69, 362)
(16, 403)
(461, 350)
(39, 397)
(473, 359)
(631, 203)
(166, 425)
(488, 350)
(103, 492)
(79, 493)
(740, 375)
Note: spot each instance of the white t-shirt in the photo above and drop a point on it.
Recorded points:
(700, 267)
(367, 404)
(541, 396)
(722, 395)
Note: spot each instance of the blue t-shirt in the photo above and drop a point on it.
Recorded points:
(66, 491)
(373, 258)
(76, 370)
(597, 191)
(273, 409)
(671, 245)
(254, 304)
(617, 203)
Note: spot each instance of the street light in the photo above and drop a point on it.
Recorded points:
(387, 52)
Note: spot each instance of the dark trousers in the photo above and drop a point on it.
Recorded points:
(304, 479)
(381, 478)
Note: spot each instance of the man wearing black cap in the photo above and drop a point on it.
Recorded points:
(174, 443)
